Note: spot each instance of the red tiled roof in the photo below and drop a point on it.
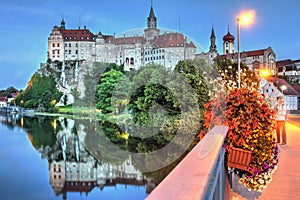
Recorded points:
(171, 40)
(258, 52)
(278, 82)
(281, 63)
(77, 35)
(126, 40)
(14, 94)
(254, 52)
(161, 41)
(231, 55)
(3, 99)
(296, 87)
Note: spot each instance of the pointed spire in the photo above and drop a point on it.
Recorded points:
(62, 24)
(151, 19)
(151, 14)
(212, 32)
(213, 46)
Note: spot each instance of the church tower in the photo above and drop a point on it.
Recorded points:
(213, 46)
(228, 43)
(151, 32)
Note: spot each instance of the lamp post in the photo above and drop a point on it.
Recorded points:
(239, 56)
(244, 19)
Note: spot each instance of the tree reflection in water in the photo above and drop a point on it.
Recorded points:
(82, 153)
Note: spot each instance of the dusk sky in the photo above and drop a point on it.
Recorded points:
(25, 26)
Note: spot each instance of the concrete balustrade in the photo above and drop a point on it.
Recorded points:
(200, 175)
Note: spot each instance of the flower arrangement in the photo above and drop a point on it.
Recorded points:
(251, 124)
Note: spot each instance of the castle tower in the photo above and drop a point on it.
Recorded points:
(151, 32)
(228, 43)
(151, 20)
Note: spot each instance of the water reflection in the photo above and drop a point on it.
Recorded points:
(75, 163)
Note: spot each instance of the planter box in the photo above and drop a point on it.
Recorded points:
(238, 158)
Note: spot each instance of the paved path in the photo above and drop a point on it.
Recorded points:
(286, 179)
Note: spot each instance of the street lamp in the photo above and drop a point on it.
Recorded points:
(283, 87)
(244, 19)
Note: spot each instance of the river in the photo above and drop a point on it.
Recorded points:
(45, 157)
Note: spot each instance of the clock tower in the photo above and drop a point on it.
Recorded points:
(151, 32)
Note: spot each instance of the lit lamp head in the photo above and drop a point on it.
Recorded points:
(283, 87)
(246, 17)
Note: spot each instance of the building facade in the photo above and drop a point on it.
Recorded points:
(255, 59)
(274, 87)
(77, 45)
(290, 69)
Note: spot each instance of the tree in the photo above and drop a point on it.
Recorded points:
(40, 93)
(105, 89)
(229, 73)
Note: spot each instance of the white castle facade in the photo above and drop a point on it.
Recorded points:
(77, 45)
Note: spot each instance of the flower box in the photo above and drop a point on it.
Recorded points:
(238, 158)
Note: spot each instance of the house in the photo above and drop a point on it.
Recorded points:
(3, 102)
(290, 69)
(274, 87)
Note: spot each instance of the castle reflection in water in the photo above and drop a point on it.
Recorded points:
(71, 166)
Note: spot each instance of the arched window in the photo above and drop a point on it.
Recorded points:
(131, 61)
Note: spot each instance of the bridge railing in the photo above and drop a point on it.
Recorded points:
(200, 175)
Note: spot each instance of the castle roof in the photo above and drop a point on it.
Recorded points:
(77, 35)
(126, 40)
(171, 40)
(259, 52)
(161, 41)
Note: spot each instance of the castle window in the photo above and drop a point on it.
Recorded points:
(53, 45)
(69, 51)
(131, 61)
(76, 52)
(69, 44)
(53, 51)
(57, 44)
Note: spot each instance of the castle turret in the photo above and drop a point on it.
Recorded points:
(62, 24)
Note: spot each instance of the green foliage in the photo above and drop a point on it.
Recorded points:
(111, 82)
(192, 73)
(7, 92)
(41, 94)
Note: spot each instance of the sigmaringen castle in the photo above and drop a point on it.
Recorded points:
(78, 48)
